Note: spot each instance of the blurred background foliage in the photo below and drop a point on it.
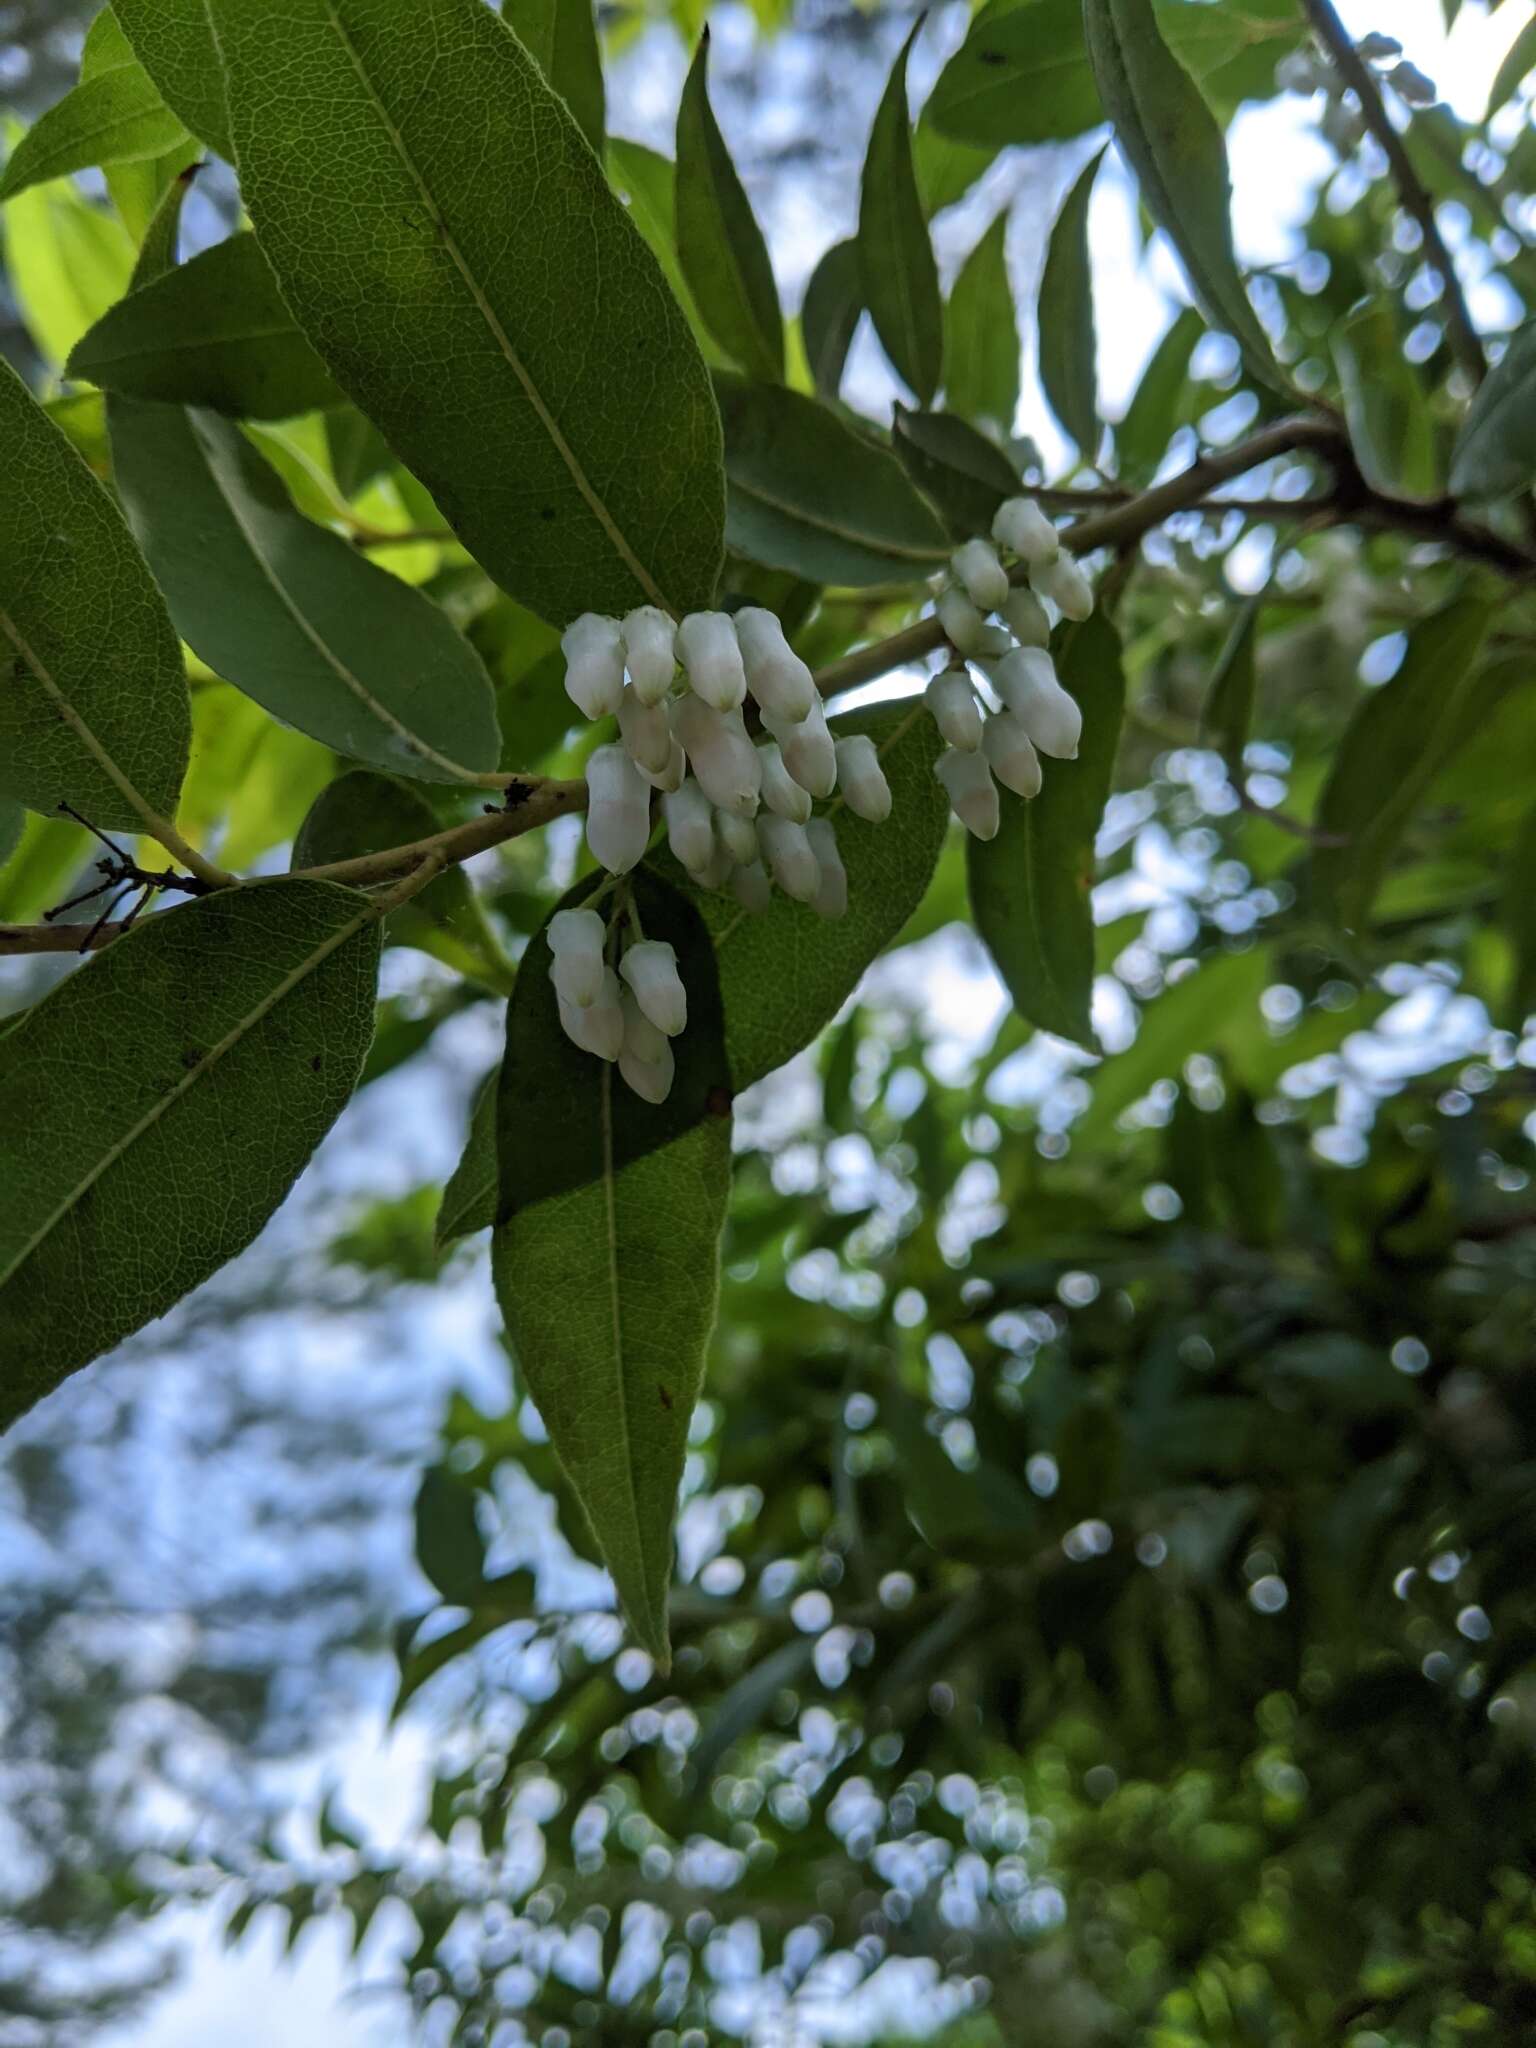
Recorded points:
(1104, 1608)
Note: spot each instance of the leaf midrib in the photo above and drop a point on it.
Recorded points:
(873, 544)
(611, 1230)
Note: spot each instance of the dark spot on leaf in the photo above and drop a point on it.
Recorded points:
(992, 57)
(191, 1057)
(317, 1060)
(546, 511)
(663, 1395)
(718, 1101)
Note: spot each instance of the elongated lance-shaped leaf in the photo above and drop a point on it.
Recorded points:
(829, 314)
(809, 495)
(900, 277)
(956, 466)
(561, 37)
(981, 334)
(1069, 345)
(1386, 405)
(784, 973)
(1031, 886)
(290, 612)
(1173, 143)
(606, 1251)
(719, 242)
(1021, 76)
(173, 40)
(113, 116)
(159, 1104)
(1161, 399)
(213, 332)
(534, 371)
(93, 697)
(1495, 451)
(1227, 713)
(1396, 743)
(136, 185)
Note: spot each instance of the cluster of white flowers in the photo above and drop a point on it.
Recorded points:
(629, 1014)
(1004, 630)
(738, 811)
(1307, 71)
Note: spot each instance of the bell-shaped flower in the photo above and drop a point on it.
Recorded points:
(650, 968)
(1010, 755)
(599, 1027)
(1021, 525)
(1026, 618)
(965, 628)
(751, 888)
(618, 810)
(788, 853)
(776, 676)
(831, 898)
(982, 576)
(576, 940)
(1053, 719)
(690, 820)
(861, 778)
(708, 646)
(806, 746)
(645, 1054)
(972, 793)
(645, 732)
(650, 652)
(956, 712)
(1064, 583)
(720, 754)
(594, 664)
(781, 792)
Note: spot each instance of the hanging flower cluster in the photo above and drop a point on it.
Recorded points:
(738, 811)
(629, 1013)
(1001, 731)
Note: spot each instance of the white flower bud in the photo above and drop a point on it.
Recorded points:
(807, 749)
(781, 792)
(972, 793)
(1010, 756)
(1064, 583)
(738, 836)
(671, 777)
(1021, 525)
(1026, 682)
(1376, 48)
(1026, 618)
(599, 1028)
(716, 871)
(690, 820)
(707, 643)
(750, 887)
(650, 652)
(618, 810)
(645, 732)
(861, 778)
(964, 627)
(576, 940)
(594, 664)
(645, 1056)
(956, 712)
(650, 968)
(982, 575)
(788, 853)
(776, 676)
(831, 899)
(1411, 85)
(720, 754)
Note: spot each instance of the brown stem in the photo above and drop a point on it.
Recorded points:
(1353, 68)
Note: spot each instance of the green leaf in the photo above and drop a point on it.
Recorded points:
(449, 1546)
(719, 242)
(174, 41)
(1227, 713)
(426, 167)
(133, 1165)
(946, 169)
(136, 187)
(1021, 75)
(113, 116)
(1173, 143)
(1518, 917)
(1158, 408)
(561, 37)
(291, 613)
(93, 697)
(1495, 451)
(358, 451)
(213, 332)
(646, 183)
(66, 262)
(981, 334)
(1069, 348)
(606, 1251)
(12, 820)
(363, 812)
(899, 276)
(829, 315)
(1518, 63)
(785, 974)
(1385, 404)
(954, 464)
(1032, 886)
(1397, 742)
(810, 495)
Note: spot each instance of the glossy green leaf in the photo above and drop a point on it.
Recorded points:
(646, 183)
(427, 167)
(981, 334)
(1032, 886)
(900, 280)
(174, 41)
(1175, 147)
(363, 812)
(291, 613)
(1069, 345)
(13, 819)
(250, 780)
(810, 495)
(113, 116)
(1518, 63)
(357, 449)
(1021, 75)
(946, 169)
(449, 1546)
(719, 242)
(137, 185)
(1158, 408)
(1385, 405)
(966, 475)
(1396, 743)
(213, 331)
(66, 262)
(561, 37)
(133, 1165)
(106, 735)
(1518, 917)
(1226, 716)
(829, 315)
(1495, 452)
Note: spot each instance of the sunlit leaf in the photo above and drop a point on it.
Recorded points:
(829, 314)
(719, 243)
(1495, 451)
(981, 338)
(899, 278)
(1069, 347)
(114, 115)
(561, 37)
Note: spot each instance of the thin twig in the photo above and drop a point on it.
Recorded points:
(1353, 68)
(410, 536)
